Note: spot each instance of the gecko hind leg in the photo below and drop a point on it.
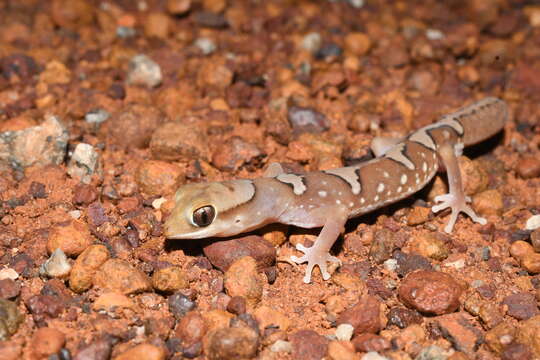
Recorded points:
(274, 169)
(318, 254)
(456, 199)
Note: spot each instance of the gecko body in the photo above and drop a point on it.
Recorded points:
(329, 198)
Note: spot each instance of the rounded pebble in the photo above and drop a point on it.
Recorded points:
(231, 344)
(10, 319)
(157, 178)
(489, 202)
(243, 279)
(528, 167)
(430, 292)
(72, 238)
(365, 316)
(143, 352)
(430, 246)
(85, 267)
(529, 334)
(144, 71)
(341, 350)
(308, 345)
(357, 43)
(47, 341)
(133, 125)
(176, 140)
(344, 332)
(533, 223)
(57, 265)
(169, 279)
(119, 275)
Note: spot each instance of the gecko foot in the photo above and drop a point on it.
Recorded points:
(457, 204)
(314, 256)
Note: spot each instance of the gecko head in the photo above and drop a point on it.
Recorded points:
(207, 210)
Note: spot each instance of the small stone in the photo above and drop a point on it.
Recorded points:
(329, 51)
(156, 25)
(119, 275)
(430, 292)
(500, 336)
(180, 305)
(116, 91)
(223, 253)
(18, 65)
(308, 345)
(235, 153)
(312, 42)
(533, 223)
(37, 190)
(85, 267)
(83, 163)
(365, 316)
(242, 279)
(533, 15)
(528, 167)
(281, 346)
(237, 305)
(496, 53)
(519, 249)
(382, 246)
(489, 202)
(39, 145)
(133, 125)
(9, 289)
(490, 315)
(402, 317)
(231, 343)
(57, 265)
(144, 352)
(97, 350)
(214, 75)
(47, 341)
(110, 301)
(307, 120)
(44, 307)
(97, 116)
(55, 73)
(178, 7)
(430, 246)
(531, 263)
(516, 352)
(270, 318)
(8, 273)
(156, 177)
(344, 332)
(10, 319)
(521, 306)
(535, 240)
(341, 350)
(357, 43)
(72, 238)
(84, 194)
(418, 215)
(144, 71)
(529, 335)
(169, 279)
(72, 14)
(371, 342)
(210, 19)
(460, 331)
(206, 45)
(191, 328)
(176, 140)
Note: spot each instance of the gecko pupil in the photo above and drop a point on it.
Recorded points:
(204, 216)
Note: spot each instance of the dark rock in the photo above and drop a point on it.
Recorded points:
(10, 319)
(22, 66)
(37, 190)
(84, 194)
(308, 345)
(460, 332)
(407, 263)
(370, 342)
(402, 317)
(210, 19)
(521, 306)
(307, 120)
(97, 350)
(237, 305)
(9, 289)
(364, 316)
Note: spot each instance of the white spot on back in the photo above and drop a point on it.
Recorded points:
(376, 198)
(351, 204)
(296, 181)
(322, 193)
(399, 189)
(380, 188)
(386, 174)
(424, 166)
(403, 179)
(362, 200)
(338, 202)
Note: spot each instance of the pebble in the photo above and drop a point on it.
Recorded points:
(382, 246)
(496, 53)
(531, 263)
(461, 332)
(430, 292)
(83, 163)
(344, 332)
(176, 140)
(418, 215)
(231, 343)
(312, 42)
(235, 153)
(169, 279)
(223, 253)
(99, 349)
(18, 65)
(268, 317)
(281, 346)
(407, 263)
(156, 25)
(516, 352)
(83, 194)
(403, 317)
(429, 245)
(178, 7)
(308, 345)
(371, 342)
(72, 14)
(110, 301)
(56, 266)
(365, 316)
(521, 306)
(8, 273)
(72, 238)
(357, 43)
(119, 275)
(191, 328)
(237, 305)
(143, 351)
(533, 223)
(156, 177)
(9, 289)
(243, 279)
(308, 120)
(528, 167)
(46, 342)
(206, 45)
(210, 19)
(214, 76)
(535, 241)
(97, 116)
(329, 51)
(519, 249)
(533, 15)
(55, 73)
(10, 319)
(144, 71)
(489, 202)
(180, 305)
(341, 350)
(372, 355)
(500, 336)
(529, 334)
(85, 267)
(133, 125)
(39, 145)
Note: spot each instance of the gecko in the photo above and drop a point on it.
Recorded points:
(329, 198)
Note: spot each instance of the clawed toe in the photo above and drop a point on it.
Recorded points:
(314, 257)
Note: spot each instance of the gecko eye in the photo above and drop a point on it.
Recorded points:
(204, 216)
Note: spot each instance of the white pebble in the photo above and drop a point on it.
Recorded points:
(434, 34)
(390, 264)
(56, 266)
(344, 332)
(76, 214)
(144, 71)
(8, 273)
(533, 223)
(156, 204)
(312, 42)
(281, 346)
(206, 45)
(372, 355)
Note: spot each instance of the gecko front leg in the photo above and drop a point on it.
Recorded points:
(456, 198)
(319, 254)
